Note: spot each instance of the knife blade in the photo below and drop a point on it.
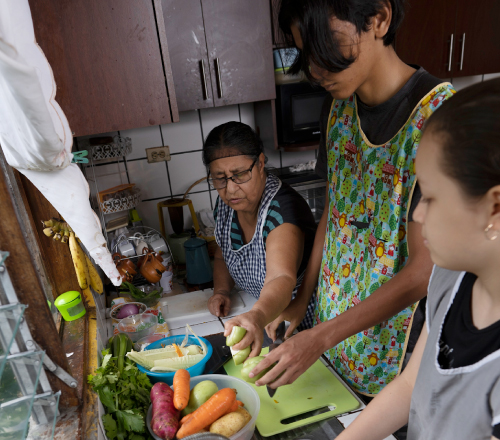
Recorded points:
(280, 336)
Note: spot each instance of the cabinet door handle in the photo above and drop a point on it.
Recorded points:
(463, 50)
(219, 82)
(451, 53)
(205, 90)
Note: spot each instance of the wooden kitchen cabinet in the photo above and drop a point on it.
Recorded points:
(432, 36)
(221, 51)
(110, 64)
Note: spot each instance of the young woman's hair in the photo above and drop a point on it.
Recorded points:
(231, 139)
(320, 44)
(468, 128)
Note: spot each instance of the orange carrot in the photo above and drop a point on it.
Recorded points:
(178, 350)
(185, 419)
(209, 412)
(181, 389)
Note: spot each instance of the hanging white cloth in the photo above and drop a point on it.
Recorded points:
(35, 135)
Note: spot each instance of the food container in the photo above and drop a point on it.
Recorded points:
(138, 326)
(147, 340)
(70, 305)
(245, 393)
(116, 309)
(168, 377)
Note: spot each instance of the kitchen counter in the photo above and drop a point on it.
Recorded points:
(209, 326)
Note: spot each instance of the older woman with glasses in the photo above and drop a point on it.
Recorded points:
(264, 232)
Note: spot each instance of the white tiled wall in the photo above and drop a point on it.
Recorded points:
(160, 181)
(185, 139)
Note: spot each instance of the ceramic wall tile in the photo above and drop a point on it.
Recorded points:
(212, 117)
(200, 201)
(247, 114)
(185, 169)
(151, 178)
(466, 81)
(184, 135)
(294, 158)
(142, 138)
(148, 212)
(490, 76)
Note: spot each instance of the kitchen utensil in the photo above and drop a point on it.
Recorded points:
(198, 266)
(138, 326)
(144, 342)
(280, 337)
(166, 281)
(318, 388)
(244, 392)
(176, 211)
(151, 268)
(125, 266)
(126, 249)
(159, 246)
(176, 242)
(70, 305)
(168, 377)
(139, 243)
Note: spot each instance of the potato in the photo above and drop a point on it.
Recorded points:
(231, 423)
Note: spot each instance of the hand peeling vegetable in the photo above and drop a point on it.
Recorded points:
(239, 356)
(236, 335)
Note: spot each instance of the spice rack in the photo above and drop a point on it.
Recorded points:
(110, 150)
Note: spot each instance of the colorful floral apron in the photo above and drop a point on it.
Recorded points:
(365, 244)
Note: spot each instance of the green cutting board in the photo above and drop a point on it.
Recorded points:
(317, 388)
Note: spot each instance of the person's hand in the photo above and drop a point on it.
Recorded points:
(252, 322)
(219, 305)
(294, 313)
(293, 358)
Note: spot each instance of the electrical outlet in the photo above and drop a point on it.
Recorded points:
(158, 154)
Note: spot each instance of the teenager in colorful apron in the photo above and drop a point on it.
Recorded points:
(365, 244)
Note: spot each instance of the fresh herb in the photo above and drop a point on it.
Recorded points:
(138, 294)
(125, 396)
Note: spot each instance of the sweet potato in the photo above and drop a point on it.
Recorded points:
(165, 419)
(231, 423)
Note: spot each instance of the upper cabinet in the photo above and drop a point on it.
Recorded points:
(221, 51)
(107, 62)
(451, 38)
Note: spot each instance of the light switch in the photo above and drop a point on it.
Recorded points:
(158, 154)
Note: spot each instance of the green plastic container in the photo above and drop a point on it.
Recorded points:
(70, 305)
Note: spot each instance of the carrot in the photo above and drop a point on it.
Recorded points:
(181, 389)
(209, 412)
(185, 419)
(237, 404)
(178, 350)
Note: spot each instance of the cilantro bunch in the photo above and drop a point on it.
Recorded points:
(126, 398)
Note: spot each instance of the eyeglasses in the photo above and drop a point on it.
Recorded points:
(238, 178)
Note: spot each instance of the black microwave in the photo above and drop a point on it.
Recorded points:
(298, 109)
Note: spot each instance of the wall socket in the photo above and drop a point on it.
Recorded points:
(158, 154)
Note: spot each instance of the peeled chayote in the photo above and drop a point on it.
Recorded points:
(236, 335)
(249, 365)
(239, 356)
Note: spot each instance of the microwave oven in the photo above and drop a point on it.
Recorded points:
(298, 109)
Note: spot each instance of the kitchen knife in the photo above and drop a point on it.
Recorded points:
(280, 336)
